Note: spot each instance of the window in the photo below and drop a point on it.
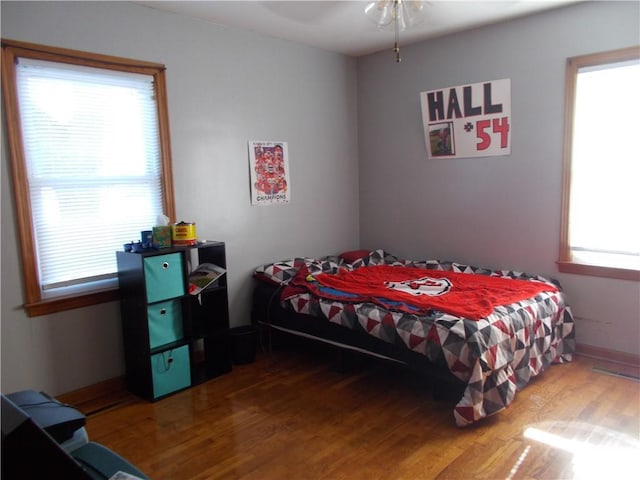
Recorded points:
(89, 145)
(600, 232)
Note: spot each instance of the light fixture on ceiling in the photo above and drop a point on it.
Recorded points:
(396, 14)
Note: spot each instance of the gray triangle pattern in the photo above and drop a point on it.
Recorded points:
(494, 361)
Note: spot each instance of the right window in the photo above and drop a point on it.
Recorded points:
(600, 232)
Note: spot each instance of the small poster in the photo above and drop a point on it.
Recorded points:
(468, 120)
(269, 168)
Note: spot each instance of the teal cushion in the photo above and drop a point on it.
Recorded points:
(102, 463)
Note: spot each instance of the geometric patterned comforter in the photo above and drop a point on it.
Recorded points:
(495, 356)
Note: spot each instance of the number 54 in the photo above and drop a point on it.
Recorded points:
(499, 126)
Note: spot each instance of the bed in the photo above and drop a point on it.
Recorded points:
(484, 332)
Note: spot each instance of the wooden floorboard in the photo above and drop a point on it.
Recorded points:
(293, 415)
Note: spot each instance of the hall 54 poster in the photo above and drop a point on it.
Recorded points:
(468, 120)
(269, 167)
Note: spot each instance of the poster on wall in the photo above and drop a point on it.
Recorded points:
(269, 167)
(468, 120)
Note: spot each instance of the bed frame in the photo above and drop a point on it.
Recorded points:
(481, 365)
(268, 314)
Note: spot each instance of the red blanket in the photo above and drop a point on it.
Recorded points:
(417, 290)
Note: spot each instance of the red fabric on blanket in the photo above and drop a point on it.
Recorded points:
(462, 294)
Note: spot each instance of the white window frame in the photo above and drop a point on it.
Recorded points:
(37, 303)
(567, 262)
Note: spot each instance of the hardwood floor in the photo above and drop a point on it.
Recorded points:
(293, 415)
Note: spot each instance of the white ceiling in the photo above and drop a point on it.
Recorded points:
(341, 26)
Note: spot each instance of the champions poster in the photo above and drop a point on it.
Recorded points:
(269, 167)
(468, 120)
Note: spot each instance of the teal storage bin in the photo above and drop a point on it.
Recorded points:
(165, 322)
(163, 275)
(171, 371)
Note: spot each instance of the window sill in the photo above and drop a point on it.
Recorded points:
(61, 304)
(565, 266)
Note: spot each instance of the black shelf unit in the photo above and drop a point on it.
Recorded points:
(172, 340)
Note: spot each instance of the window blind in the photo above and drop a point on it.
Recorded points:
(93, 162)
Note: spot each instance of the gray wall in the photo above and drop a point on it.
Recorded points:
(493, 211)
(225, 87)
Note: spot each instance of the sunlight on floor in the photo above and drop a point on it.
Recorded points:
(597, 452)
